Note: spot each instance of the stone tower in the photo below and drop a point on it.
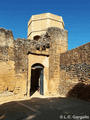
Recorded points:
(53, 25)
(38, 24)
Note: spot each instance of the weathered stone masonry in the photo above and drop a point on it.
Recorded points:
(64, 71)
(14, 60)
(6, 60)
(58, 44)
(75, 70)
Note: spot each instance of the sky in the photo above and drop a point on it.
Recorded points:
(15, 14)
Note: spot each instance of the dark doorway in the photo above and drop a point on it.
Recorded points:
(36, 79)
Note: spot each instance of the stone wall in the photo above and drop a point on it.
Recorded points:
(23, 47)
(58, 44)
(75, 71)
(6, 60)
(13, 64)
(14, 60)
(6, 38)
(68, 71)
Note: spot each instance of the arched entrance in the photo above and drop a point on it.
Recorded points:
(36, 79)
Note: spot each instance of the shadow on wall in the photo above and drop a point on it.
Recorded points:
(80, 91)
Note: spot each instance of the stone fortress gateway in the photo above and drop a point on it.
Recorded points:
(42, 62)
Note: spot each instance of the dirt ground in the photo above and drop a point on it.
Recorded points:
(46, 109)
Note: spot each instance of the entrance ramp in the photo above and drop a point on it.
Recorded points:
(37, 94)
